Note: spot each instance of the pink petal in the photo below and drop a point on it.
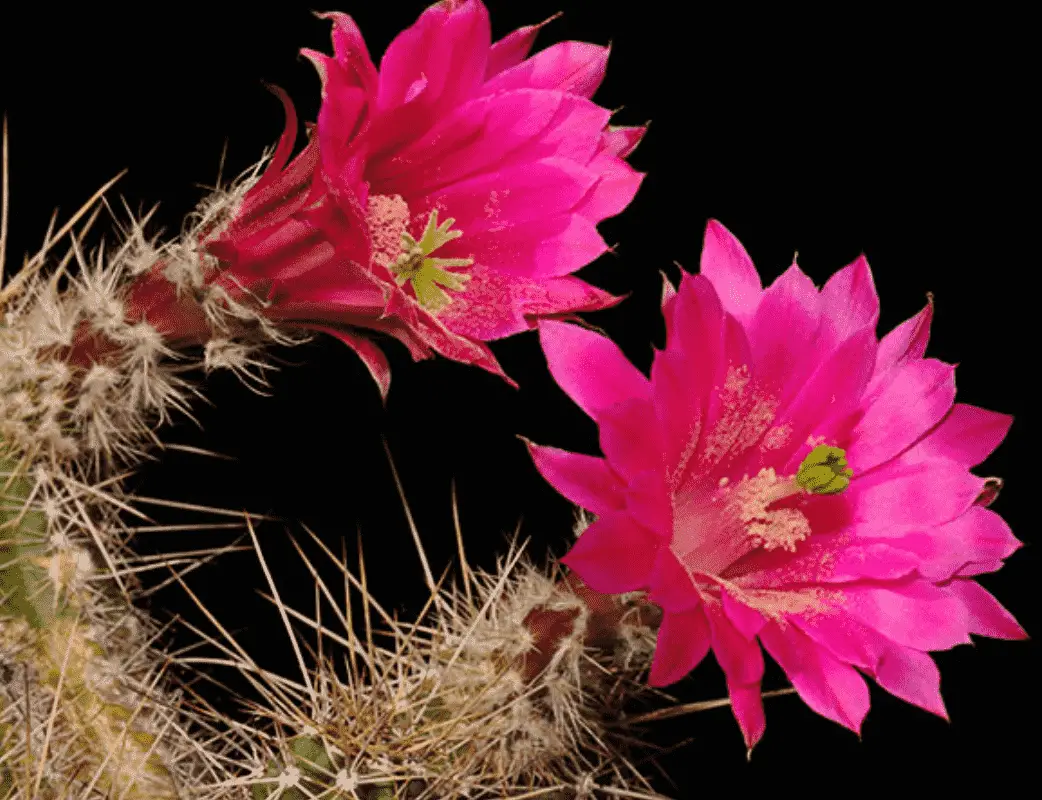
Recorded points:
(747, 706)
(668, 300)
(672, 588)
(447, 48)
(744, 619)
(985, 614)
(573, 67)
(284, 147)
(915, 397)
(614, 555)
(729, 268)
(585, 480)
(280, 192)
(629, 442)
(575, 132)
(826, 400)
(915, 614)
(496, 304)
(540, 249)
(350, 55)
(831, 688)
(725, 434)
(683, 641)
(848, 639)
(902, 495)
(623, 139)
(968, 435)
(906, 342)
(825, 559)
(913, 676)
(849, 301)
(479, 136)
(497, 201)
(614, 191)
(979, 536)
(786, 320)
(739, 656)
(683, 375)
(974, 568)
(590, 368)
(371, 355)
(648, 501)
(512, 49)
(461, 349)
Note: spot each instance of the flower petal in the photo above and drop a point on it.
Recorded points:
(497, 304)
(573, 67)
(985, 614)
(540, 249)
(906, 342)
(739, 656)
(683, 641)
(585, 480)
(849, 301)
(512, 49)
(672, 588)
(782, 331)
(683, 375)
(590, 368)
(741, 659)
(447, 49)
(614, 555)
(968, 435)
(915, 398)
(726, 264)
(979, 536)
(614, 191)
(826, 401)
(904, 672)
(479, 136)
(495, 202)
(648, 502)
(630, 440)
(622, 140)
(831, 688)
(903, 495)
(747, 706)
(916, 614)
(372, 356)
(913, 676)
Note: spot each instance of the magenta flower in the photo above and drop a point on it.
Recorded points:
(785, 479)
(446, 198)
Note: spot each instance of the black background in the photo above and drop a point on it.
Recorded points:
(904, 138)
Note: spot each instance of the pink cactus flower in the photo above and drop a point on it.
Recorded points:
(785, 480)
(445, 199)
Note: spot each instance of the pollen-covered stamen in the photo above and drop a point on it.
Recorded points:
(823, 471)
(771, 529)
(426, 273)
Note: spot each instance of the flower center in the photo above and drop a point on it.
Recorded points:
(716, 526)
(426, 273)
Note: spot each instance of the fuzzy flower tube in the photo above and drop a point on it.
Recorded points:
(444, 199)
(785, 481)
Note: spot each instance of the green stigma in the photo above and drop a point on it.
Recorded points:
(426, 274)
(824, 471)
